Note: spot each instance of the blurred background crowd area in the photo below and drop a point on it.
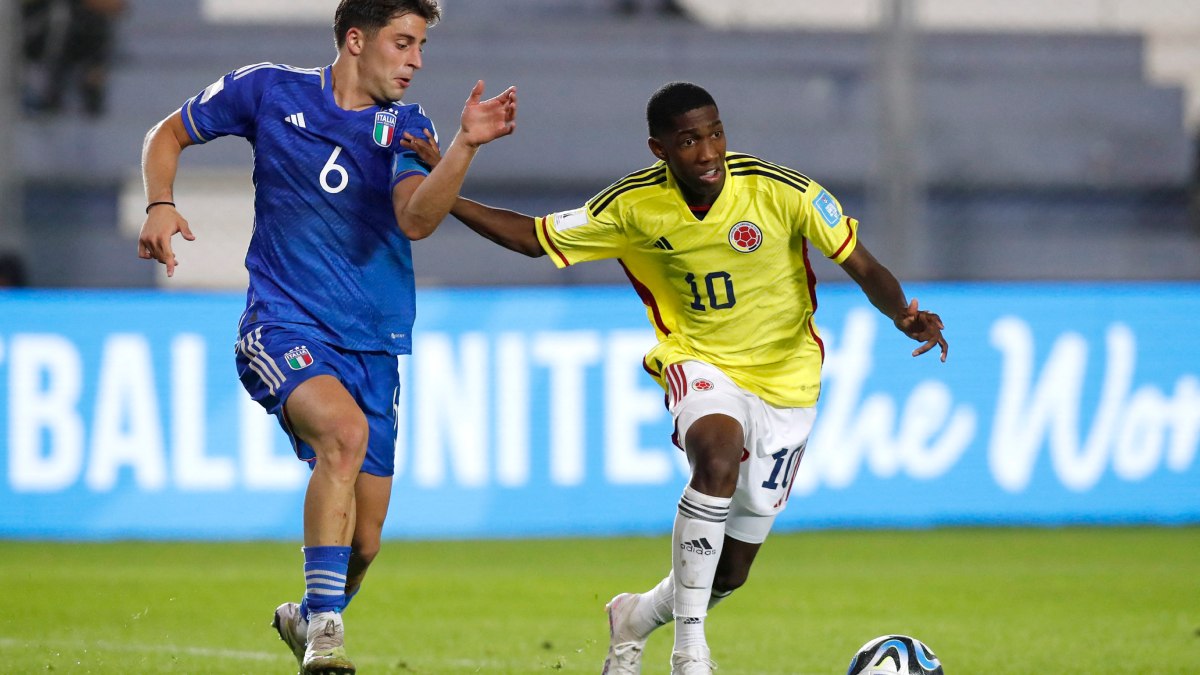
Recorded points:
(974, 140)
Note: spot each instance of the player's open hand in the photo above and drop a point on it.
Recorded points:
(485, 121)
(154, 241)
(922, 326)
(426, 148)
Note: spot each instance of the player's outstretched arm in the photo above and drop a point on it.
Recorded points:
(883, 290)
(424, 145)
(160, 161)
(514, 231)
(421, 204)
(922, 326)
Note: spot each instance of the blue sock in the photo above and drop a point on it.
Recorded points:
(325, 579)
(349, 597)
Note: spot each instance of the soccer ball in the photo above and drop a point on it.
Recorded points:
(895, 655)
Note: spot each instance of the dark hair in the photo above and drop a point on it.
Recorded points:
(371, 15)
(671, 100)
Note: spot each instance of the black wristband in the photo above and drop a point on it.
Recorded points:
(153, 204)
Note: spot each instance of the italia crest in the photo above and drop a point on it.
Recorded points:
(298, 357)
(745, 237)
(385, 128)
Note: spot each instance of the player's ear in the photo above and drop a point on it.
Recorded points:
(355, 40)
(656, 147)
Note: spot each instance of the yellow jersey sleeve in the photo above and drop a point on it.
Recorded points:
(575, 236)
(600, 228)
(823, 223)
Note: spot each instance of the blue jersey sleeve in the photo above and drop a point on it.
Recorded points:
(406, 162)
(228, 106)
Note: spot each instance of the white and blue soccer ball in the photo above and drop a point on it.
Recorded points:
(895, 655)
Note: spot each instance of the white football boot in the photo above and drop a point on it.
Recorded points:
(692, 661)
(624, 649)
(326, 650)
(292, 629)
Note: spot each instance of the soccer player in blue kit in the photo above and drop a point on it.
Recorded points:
(330, 306)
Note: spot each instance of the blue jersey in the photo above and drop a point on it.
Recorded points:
(326, 250)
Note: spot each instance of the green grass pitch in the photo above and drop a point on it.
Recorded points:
(994, 601)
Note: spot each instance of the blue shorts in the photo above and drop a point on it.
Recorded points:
(273, 360)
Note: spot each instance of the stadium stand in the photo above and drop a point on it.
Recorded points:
(1044, 154)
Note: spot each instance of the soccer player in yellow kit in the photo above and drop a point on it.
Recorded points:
(716, 244)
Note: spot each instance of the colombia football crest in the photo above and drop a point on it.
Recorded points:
(745, 237)
(385, 128)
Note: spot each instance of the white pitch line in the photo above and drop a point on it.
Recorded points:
(479, 666)
(109, 645)
(162, 648)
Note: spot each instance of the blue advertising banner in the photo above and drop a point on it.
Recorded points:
(525, 412)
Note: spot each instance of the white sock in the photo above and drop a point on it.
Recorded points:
(656, 607)
(696, 544)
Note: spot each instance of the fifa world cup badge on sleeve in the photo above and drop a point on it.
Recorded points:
(828, 208)
(565, 220)
(385, 128)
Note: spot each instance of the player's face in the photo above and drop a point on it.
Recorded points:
(391, 57)
(694, 150)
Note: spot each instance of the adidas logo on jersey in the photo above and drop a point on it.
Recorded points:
(664, 244)
(700, 546)
(296, 119)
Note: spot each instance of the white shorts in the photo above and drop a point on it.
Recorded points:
(774, 445)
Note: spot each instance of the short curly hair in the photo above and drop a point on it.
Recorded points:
(371, 15)
(671, 100)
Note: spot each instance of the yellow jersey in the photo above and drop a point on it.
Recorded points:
(734, 289)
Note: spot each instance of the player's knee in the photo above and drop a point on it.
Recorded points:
(715, 473)
(343, 448)
(363, 552)
(368, 535)
(714, 447)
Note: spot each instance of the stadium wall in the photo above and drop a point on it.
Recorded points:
(525, 412)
